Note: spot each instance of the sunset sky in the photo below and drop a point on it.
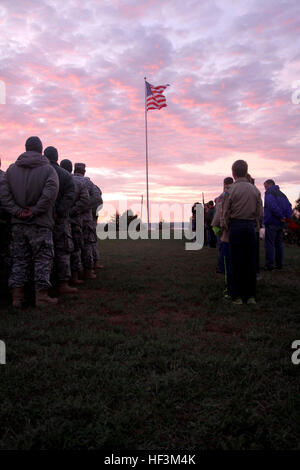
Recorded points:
(74, 75)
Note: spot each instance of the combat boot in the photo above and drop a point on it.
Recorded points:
(42, 299)
(17, 297)
(75, 279)
(89, 274)
(64, 288)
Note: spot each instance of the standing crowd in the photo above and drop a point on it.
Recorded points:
(48, 219)
(237, 217)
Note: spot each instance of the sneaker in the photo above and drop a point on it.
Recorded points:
(237, 301)
(251, 301)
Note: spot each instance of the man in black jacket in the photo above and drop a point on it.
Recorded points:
(62, 233)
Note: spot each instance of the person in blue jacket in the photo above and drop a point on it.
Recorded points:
(277, 210)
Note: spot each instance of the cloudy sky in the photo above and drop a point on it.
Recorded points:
(74, 73)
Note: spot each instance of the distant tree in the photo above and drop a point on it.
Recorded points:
(119, 222)
(128, 216)
(297, 210)
(291, 231)
(114, 221)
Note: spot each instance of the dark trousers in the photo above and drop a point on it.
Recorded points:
(220, 247)
(273, 245)
(212, 239)
(228, 268)
(257, 253)
(242, 246)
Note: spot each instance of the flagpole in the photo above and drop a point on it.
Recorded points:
(147, 176)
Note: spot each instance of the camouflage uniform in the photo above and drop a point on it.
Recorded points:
(63, 247)
(81, 202)
(89, 239)
(77, 235)
(95, 248)
(98, 202)
(62, 233)
(30, 182)
(31, 244)
(5, 235)
(89, 235)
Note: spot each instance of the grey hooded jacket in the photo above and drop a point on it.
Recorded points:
(30, 182)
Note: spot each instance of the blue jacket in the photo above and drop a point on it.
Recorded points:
(277, 206)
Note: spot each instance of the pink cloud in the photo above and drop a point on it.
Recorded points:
(74, 75)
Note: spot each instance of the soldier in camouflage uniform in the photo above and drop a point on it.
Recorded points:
(95, 209)
(89, 235)
(80, 205)
(62, 233)
(5, 235)
(28, 192)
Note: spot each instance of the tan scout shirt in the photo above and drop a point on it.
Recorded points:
(218, 220)
(243, 202)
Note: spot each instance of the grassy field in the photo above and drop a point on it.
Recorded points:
(149, 356)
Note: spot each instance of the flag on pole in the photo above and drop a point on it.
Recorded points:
(154, 96)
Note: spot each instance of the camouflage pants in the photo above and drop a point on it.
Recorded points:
(96, 255)
(31, 250)
(5, 261)
(76, 264)
(63, 247)
(5, 236)
(89, 238)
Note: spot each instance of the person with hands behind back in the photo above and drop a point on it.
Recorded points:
(28, 192)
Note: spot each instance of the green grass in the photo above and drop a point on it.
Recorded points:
(148, 356)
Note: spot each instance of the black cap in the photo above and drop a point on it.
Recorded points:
(34, 144)
(67, 165)
(51, 153)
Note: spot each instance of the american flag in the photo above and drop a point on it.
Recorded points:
(154, 97)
